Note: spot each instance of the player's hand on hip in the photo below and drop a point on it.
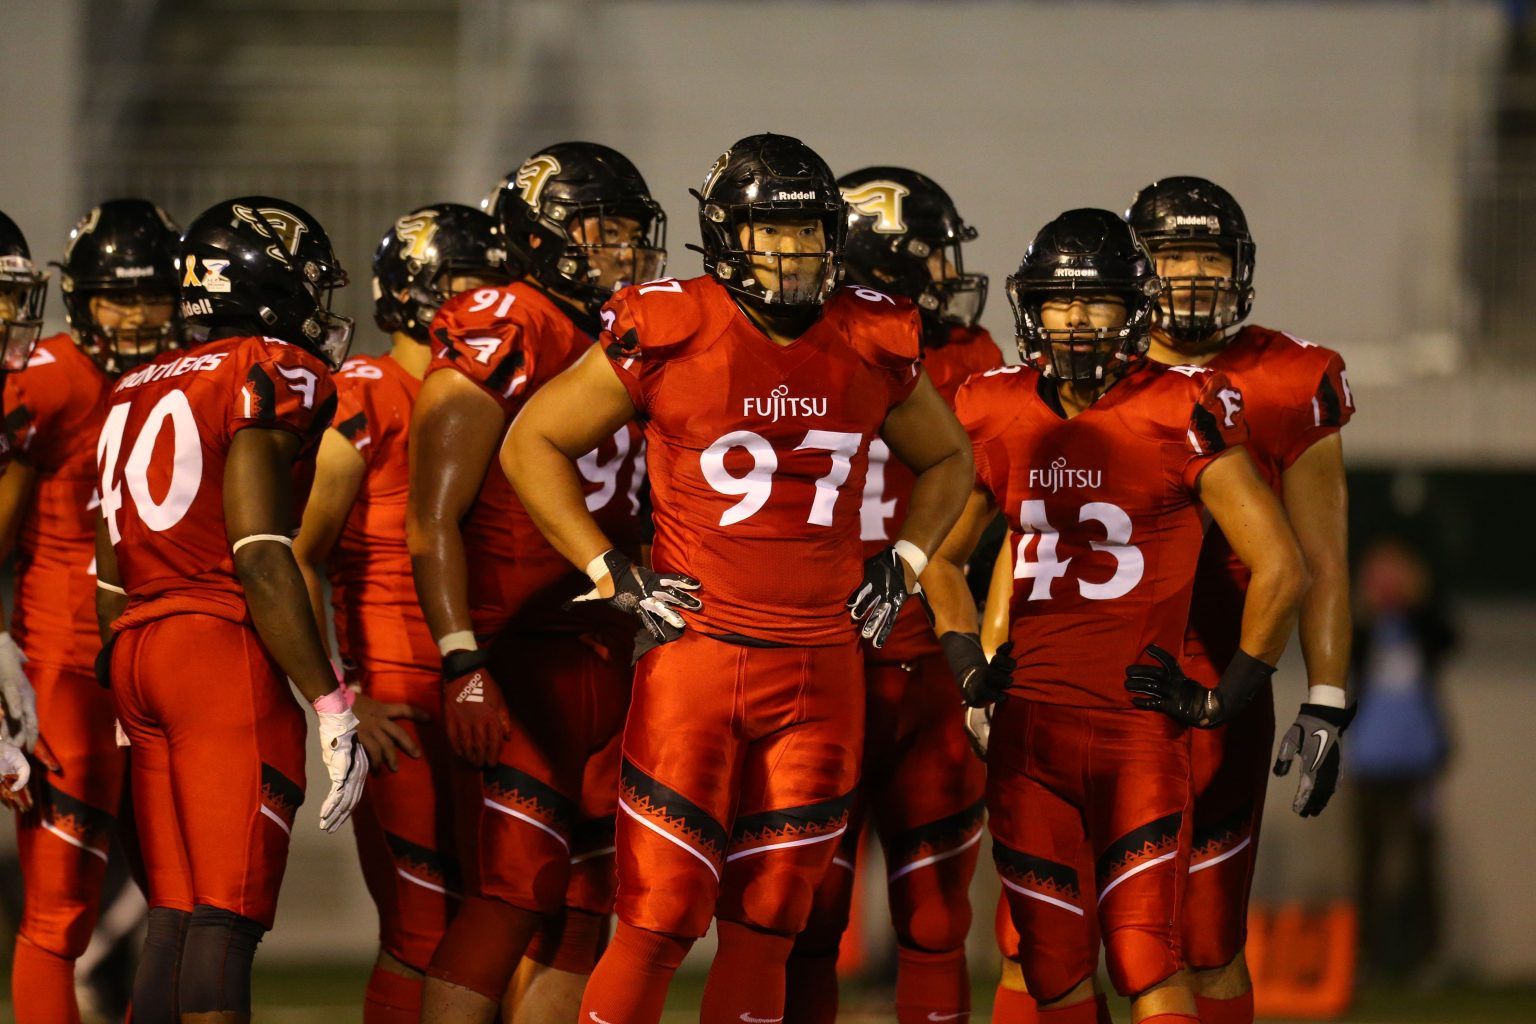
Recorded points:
(381, 734)
(878, 598)
(475, 713)
(982, 681)
(1164, 687)
(655, 598)
(1315, 737)
(20, 702)
(15, 773)
(346, 762)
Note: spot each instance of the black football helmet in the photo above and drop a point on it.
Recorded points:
(1185, 210)
(420, 253)
(562, 186)
(1084, 253)
(765, 178)
(900, 224)
(124, 247)
(23, 294)
(263, 266)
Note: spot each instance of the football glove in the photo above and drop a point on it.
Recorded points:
(1315, 736)
(982, 682)
(15, 773)
(878, 598)
(474, 711)
(20, 702)
(650, 596)
(978, 728)
(1164, 687)
(346, 762)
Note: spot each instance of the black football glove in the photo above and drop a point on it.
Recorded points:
(877, 600)
(1315, 735)
(649, 596)
(982, 682)
(1164, 687)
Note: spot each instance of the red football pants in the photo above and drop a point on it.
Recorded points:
(405, 825)
(546, 807)
(922, 786)
(217, 762)
(1230, 765)
(62, 842)
(738, 767)
(1089, 812)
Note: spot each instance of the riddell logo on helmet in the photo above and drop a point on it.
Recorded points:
(779, 404)
(779, 196)
(1059, 475)
(1076, 272)
(1210, 223)
(133, 272)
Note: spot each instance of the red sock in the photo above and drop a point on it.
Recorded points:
(810, 989)
(746, 981)
(391, 998)
(1170, 1018)
(42, 986)
(1014, 1006)
(931, 986)
(1089, 1011)
(629, 985)
(1237, 1010)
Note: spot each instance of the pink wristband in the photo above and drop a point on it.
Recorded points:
(333, 703)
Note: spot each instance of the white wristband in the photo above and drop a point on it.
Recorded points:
(912, 555)
(460, 640)
(109, 588)
(253, 538)
(1327, 696)
(598, 567)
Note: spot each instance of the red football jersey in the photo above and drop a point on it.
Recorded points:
(379, 622)
(758, 451)
(54, 410)
(1295, 393)
(511, 341)
(888, 487)
(161, 461)
(1104, 505)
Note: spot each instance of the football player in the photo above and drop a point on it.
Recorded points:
(534, 693)
(119, 283)
(921, 785)
(1296, 398)
(354, 528)
(761, 385)
(1101, 463)
(23, 293)
(204, 458)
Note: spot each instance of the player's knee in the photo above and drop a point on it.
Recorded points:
(483, 945)
(776, 901)
(1138, 959)
(1211, 942)
(682, 904)
(569, 942)
(63, 931)
(932, 924)
(216, 962)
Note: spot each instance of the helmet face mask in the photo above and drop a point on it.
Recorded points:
(23, 297)
(1086, 257)
(758, 187)
(906, 237)
(1179, 216)
(609, 246)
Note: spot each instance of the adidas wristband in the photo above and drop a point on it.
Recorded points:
(463, 662)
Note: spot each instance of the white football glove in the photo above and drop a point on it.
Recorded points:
(978, 728)
(16, 693)
(15, 769)
(347, 764)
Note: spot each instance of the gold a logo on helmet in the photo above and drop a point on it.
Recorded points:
(269, 221)
(416, 231)
(715, 172)
(882, 201)
(534, 175)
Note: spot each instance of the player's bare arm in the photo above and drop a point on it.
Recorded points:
(258, 522)
(1317, 504)
(454, 430)
(923, 433)
(339, 473)
(18, 703)
(982, 680)
(111, 599)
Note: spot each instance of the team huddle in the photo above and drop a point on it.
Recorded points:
(650, 595)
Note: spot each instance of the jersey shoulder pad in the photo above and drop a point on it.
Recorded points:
(483, 333)
(883, 329)
(664, 319)
(989, 400)
(282, 386)
(1196, 405)
(1309, 378)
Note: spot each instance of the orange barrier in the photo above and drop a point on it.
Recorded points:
(1302, 960)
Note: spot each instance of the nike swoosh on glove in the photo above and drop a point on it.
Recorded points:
(1315, 736)
(475, 713)
(346, 762)
(982, 682)
(16, 694)
(878, 598)
(1165, 688)
(650, 596)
